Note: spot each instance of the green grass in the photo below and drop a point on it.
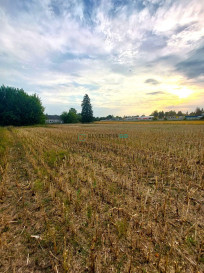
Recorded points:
(53, 157)
(121, 227)
(190, 241)
(38, 186)
(4, 144)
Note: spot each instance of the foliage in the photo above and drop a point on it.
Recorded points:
(71, 116)
(109, 117)
(79, 117)
(18, 108)
(3, 144)
(199, 111)
(155, 114)
(87, 112)
(162, 115)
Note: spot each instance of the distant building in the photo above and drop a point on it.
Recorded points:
(53, 119)
(136, 118)
(145, 118)
(175, 118)
(129, 118)
(193, 117)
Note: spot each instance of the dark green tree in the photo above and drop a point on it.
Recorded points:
(71, 116)
(79, 117)
(161, 115)
(198, 111)
(110, 117)
(87, 112)
(180, 113)
(18, 108)
(73, 110)
(172, 113)
(64, 116)
(155, 114)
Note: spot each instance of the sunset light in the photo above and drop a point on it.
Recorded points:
(131, 57)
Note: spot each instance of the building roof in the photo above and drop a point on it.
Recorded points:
(193, 116)
(53, 117)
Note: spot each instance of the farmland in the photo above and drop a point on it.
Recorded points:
(104, 204)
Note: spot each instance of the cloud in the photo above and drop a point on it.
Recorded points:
(152, 81)
(193, 65)
(156, 93)
(153, 42)
(111, 49)
(185, 27)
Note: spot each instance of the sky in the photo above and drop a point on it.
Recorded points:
(130, 56)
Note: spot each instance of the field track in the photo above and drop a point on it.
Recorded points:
(105, 204)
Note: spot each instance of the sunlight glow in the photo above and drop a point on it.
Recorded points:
(181, 92)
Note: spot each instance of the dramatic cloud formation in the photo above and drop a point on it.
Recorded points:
(193, 66)
(119, 52)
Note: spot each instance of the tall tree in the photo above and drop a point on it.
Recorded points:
(87, 112)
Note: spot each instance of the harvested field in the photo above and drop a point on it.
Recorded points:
(104, 204)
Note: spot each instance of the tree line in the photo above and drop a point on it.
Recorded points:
(18, 108)
(158, 114)
(161, 114)
(85, 116)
